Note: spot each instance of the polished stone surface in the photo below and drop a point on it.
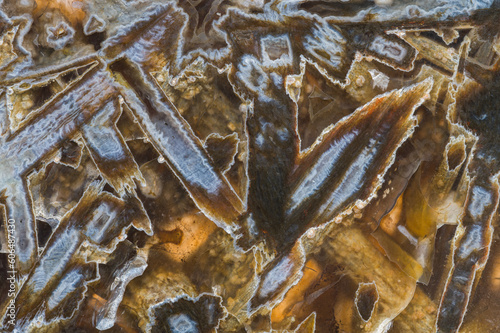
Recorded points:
(249, 166)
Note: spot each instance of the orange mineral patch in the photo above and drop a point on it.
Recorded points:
(73, 10)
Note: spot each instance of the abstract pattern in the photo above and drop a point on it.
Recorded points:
(249, 166)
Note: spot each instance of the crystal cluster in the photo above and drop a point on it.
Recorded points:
(249, 166)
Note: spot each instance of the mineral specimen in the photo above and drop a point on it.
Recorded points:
(249, 166)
